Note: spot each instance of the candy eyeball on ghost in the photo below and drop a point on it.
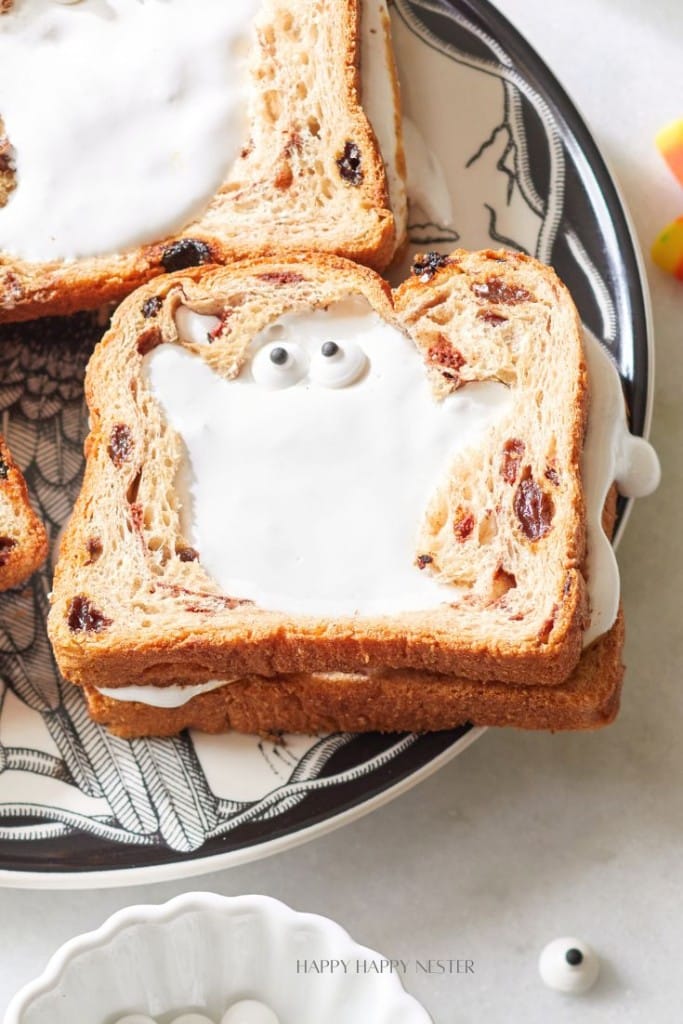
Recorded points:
(569, 965)
(279, 364)
(337, 364)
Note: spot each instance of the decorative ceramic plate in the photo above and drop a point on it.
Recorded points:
(79, 807)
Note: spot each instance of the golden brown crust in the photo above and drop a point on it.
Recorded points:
(384, 702)
(23, 542)
(355, 221)
(157, 618)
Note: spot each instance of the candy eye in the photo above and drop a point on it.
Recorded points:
(569, 965)
(338, 364)
(279, 365)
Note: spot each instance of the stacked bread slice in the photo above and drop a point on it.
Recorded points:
(491, 615)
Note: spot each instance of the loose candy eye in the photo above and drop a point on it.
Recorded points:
(338, 364)
(569, 965)
(279, 365)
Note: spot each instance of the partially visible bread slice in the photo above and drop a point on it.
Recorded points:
(383, 702)
(310, 175)
(23, 542)
(131, 605)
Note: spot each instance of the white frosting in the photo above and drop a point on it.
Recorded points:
(379, 100)
(333, 483)
(558, 973)
(124, 116)
(611, 453)
(161, 696)
(195, 327)
(427, 185)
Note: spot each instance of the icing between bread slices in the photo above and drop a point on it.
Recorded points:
(162, 696)
(611, 453)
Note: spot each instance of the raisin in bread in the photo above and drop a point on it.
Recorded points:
(497, 564)
(23, 543)
(321, 89)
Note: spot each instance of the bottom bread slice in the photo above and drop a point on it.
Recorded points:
(398, 701)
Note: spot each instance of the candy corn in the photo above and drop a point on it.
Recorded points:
(670, 144)
(667, 250)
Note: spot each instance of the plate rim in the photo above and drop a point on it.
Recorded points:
(605, 174)
(177, 869)
(173, 870)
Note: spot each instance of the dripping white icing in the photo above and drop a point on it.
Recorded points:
(611, 454)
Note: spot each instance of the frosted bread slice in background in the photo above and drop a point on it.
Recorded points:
(489, 559)
(239, 132)
(23, 543)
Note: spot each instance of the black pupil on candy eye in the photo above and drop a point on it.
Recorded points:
(574, 957)
(278, 356)
(330, 348)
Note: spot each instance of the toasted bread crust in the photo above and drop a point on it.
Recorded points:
(158, 619)
(23, 542)
(354, 220)
(384, 702)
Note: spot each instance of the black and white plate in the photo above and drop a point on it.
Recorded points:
(79, 807)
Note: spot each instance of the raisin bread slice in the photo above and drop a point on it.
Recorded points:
(132, 601)
(323, 88)
(23, 542)
(399, 701)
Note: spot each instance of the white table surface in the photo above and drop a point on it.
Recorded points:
(524, 837)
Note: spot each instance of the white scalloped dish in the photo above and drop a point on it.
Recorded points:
(202, 952)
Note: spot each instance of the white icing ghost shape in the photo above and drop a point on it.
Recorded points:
(307, 498)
